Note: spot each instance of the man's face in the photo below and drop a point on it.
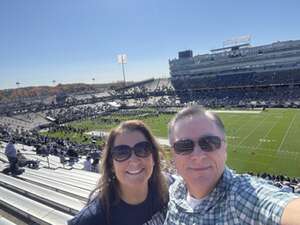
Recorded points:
(201, 170)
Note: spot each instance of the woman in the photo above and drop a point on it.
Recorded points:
(132, 190)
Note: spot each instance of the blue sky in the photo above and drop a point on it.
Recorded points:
(73, 41)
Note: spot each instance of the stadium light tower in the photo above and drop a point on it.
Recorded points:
(122, 59)
(19, 98)
(53, 82)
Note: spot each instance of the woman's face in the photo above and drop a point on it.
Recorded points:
(134, 171)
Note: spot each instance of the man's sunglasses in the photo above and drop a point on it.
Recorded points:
(121, 153)
(207, 143)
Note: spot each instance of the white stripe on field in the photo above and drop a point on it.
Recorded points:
(287, 131)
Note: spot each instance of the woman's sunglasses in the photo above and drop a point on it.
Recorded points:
(121, 153)
(207, 143)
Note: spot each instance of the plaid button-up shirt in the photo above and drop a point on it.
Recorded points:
(237, 199)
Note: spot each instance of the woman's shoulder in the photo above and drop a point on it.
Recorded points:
(91, 214)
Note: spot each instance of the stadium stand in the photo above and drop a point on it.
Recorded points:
(243, 72)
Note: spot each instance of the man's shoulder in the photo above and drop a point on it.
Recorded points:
(91, 214)
(242, 182)
(254, 189)
(256, 198)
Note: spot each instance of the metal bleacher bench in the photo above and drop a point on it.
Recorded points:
(80, 173)
(4, 221)
(63, 179)
(35, 211)
(57, 186)
(3, 157)
(67, 174)
(49, 197)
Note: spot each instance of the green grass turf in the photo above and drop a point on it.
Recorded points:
(264, 142)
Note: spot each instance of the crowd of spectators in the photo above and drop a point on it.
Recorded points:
(286, 183)
(276, 88)
(67, 150)
(75, 113)
(23, 106)
(281, 96)
(237, 80)
(159, 87)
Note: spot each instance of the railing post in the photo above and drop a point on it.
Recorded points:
(48, 161)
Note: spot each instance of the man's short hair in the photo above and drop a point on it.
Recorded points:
(194, 110)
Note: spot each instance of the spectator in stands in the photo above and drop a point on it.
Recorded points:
(23, 161)
(211, 193)
(44, 150)
(11, 154)
(87, 165)
(73, 156)
(132, 190)
(95, 165)
(96, 155)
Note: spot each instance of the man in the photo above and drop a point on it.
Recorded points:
(11, 154)
(209, 192)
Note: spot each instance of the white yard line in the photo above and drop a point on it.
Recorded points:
(287, 131)
(233, 132)
(237, 111)
(264, 137)
(243, 125)
(259, 124)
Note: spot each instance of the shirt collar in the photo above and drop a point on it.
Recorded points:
(178, 194)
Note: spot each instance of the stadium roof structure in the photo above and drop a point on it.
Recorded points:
(234, 47)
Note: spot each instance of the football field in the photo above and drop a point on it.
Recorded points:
(268, 141)
(264, 142)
